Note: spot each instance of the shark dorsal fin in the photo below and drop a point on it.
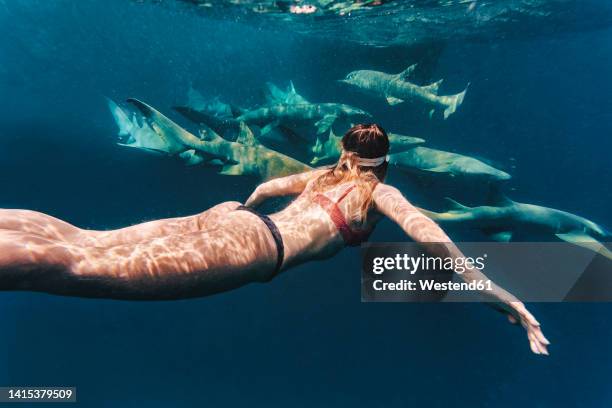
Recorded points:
(433, 87)
(455, 206)
(332, 135)
(405, 74)
(291, 88)
(207, 134)
(246, 136)
(497, 198)
(391, 100)
(292, 95)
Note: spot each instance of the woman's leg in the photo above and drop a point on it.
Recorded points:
(206, 220)
(241, 250)
(37, 223)
(46, 226)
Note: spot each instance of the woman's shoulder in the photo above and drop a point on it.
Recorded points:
(382, 188)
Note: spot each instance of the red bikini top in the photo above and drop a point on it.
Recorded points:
(351, 237)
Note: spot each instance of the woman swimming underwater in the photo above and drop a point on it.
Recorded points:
(230, 245)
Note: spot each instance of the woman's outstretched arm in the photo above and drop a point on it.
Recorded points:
(283, 186)
(390, 202)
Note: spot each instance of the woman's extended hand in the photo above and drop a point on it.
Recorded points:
(537, 341)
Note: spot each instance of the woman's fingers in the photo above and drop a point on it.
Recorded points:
(541, 338)
(537, 341)
(533, 346)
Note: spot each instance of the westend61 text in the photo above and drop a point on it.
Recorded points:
(432, 285)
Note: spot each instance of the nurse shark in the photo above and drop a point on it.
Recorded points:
(509, 217)
(396, 88)
(424, 160)
(284, 111)
(291, 111)
(243, 157)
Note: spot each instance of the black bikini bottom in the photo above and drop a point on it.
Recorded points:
(278, 239)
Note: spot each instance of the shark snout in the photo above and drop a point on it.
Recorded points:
(502, 175)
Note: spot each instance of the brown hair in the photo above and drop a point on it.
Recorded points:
(366, 141)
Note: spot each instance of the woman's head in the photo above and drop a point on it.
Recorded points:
(366, 141)
(360, 145)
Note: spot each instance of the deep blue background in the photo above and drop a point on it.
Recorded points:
(304, 339)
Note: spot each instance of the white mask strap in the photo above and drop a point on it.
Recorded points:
(375, 162)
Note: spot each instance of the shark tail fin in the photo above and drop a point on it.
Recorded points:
(455, 102)
(123, 121)
(177, 138)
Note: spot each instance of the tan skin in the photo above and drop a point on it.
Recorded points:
(215, 251)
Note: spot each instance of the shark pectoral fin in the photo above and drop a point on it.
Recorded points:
(500, 236)
(324, 124)
(585, 241)
(191, 157)
(232, 170)
(504, 236)
(268, 128)
(246, 136)
(438, 169)
(391, 100)
(579, 238)
(146, 149)
(433, 87)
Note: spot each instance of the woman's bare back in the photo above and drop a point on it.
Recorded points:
(307, 229)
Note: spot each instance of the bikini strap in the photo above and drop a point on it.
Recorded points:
(337, 218)
(346, 192)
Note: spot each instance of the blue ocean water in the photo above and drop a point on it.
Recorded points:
(538, 106)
